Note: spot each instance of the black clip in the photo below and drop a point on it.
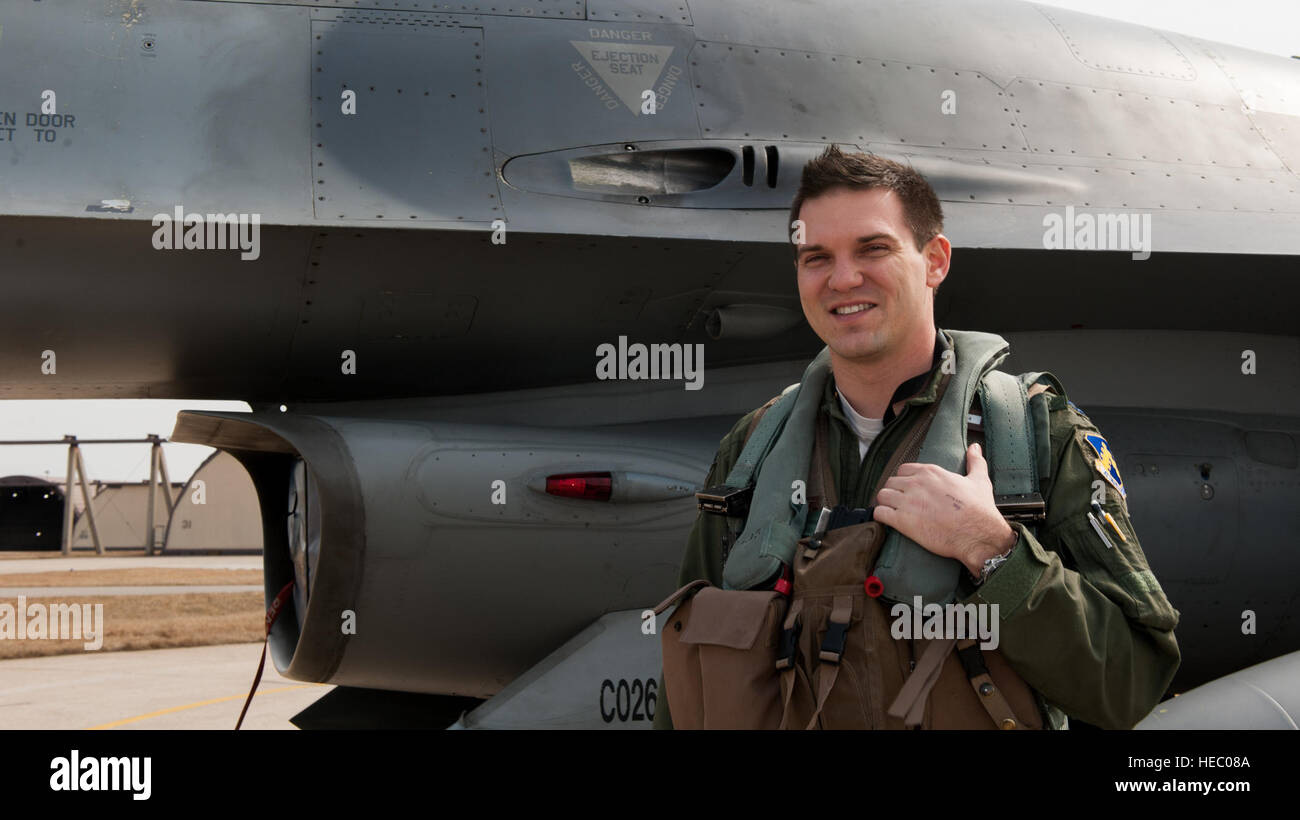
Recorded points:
(844, 517)
(833, 644)
(725, 500)
(972, 661)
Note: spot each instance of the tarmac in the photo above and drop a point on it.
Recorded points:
(198, 687)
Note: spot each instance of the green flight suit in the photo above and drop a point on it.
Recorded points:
(1086, 626)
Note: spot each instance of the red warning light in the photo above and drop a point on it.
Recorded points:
(588, 486)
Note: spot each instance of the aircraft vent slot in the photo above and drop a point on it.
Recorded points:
(678, 171)
(669, 174)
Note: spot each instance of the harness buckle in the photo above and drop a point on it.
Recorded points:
(1023, 507)
(833, 644)
(725, 500)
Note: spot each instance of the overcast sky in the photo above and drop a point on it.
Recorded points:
(1265, 25)
(98, 418)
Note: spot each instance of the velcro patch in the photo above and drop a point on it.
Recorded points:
(1105, 463)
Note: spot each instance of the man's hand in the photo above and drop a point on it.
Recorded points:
(948, 514)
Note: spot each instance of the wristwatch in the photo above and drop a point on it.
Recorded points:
(993, 563)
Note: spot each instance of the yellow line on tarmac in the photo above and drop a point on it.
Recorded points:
(172, 709)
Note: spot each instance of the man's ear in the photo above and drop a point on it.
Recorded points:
(938, 258)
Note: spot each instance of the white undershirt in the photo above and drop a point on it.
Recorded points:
(866, 429)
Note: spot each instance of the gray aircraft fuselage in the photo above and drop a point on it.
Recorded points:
(465, 201)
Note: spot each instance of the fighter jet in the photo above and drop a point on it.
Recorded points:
(496, 277)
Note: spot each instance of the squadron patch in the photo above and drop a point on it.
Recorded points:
(1105, 463)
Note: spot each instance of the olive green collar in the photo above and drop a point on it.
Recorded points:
(920, 389)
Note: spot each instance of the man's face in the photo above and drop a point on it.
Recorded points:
(865, 288)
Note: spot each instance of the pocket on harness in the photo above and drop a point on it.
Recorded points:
(719, 655)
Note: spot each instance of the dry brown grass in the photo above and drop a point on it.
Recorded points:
(138, 576)
(157, 622)
(15, 555)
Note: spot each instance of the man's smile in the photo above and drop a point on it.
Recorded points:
(849, 311)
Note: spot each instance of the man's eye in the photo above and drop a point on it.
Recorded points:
(808, 260)
(875, 248)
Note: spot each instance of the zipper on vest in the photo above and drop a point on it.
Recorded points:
(912, 444)
(912, 440)
(869, 464)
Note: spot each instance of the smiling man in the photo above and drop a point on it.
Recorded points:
(1085, 629)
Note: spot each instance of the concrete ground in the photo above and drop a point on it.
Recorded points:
(200, 687)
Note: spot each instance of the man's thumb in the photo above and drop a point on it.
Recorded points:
(975, 460)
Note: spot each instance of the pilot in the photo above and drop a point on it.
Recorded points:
(1083, 624)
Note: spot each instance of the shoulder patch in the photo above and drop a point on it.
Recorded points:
(1104, 463)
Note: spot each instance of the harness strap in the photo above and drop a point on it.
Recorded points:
(821, 481)
(832, 650)
(1009, 434)
(789, 671)
(837, 629)
(760, 436)
(910, 702)
(774, 524)
(684, 591)
(990, 697)
(826, 681)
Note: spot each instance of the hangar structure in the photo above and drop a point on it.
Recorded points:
(31, 513)
(120, 512)
(217, 511)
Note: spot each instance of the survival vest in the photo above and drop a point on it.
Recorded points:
(800, 635)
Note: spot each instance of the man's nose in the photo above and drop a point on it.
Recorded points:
(846, 275)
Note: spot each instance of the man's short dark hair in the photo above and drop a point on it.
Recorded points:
(834, 169)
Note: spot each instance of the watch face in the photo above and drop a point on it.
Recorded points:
(992, 564)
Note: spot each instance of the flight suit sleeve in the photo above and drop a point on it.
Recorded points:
(1086, 625)
(704, 548)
